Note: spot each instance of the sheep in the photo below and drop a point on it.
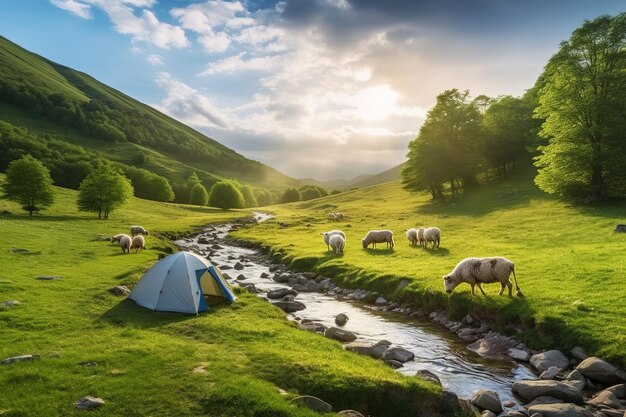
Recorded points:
(124, 241)
(411, 234)
(420, 236)
(378, 236)
(335, 216)
(327, 236)
(138, 230)
(477, 271)
(138, 243)
(338, 243)
(432, 234)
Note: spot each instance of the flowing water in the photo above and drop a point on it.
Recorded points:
(436, 349)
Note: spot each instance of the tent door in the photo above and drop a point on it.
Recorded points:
(202, 306)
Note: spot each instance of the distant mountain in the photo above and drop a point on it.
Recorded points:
(67, 111)
(360, 181)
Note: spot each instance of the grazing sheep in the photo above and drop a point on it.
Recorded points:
(432, 234)
(138, 243)
(124, 240)
(411, 234)
(337, 242)
(477, 271)
(327, 236)
(378, 236)
(138, 230)
(420, 236)
(335, 216)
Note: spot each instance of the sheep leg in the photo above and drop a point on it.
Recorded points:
(472, 285)
(508, 284)
(502, 285)
(480, 287)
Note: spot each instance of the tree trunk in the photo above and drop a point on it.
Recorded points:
(99, 214)
(597, 182)
(452, 188)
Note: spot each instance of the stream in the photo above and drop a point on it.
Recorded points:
(436, 349)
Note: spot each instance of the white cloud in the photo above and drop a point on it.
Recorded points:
(215, 42)
(238, 63)
(79, 9)
(202, 17)
(188, 104)
(155, 60)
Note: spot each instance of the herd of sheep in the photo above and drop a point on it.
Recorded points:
(474, 271)
(137, 241)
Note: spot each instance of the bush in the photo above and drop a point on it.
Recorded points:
(225, 196)
(103, 191)
(248, 197)
(28, 183)
(290, 195)
(199, 195)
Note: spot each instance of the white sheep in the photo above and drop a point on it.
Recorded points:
(420, 236)
(338, 243)
(124, 241)
(432, 234)
(378, 236)
(138, 243)
(327, 236)
(335, 216)
(477, 271)
(138, 230)
(411, 234)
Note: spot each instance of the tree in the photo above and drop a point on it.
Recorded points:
(582, 100)
(446, 148)
(225, 196)
(103, 191)
(264, 198)
(148, 184)
(290, 195)
(199, 195)
(28, 183)
(248, 196)
(310, 194)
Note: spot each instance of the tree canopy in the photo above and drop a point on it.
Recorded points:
(290, 195)
(199, 195)
(29, 184)
(225, 196)
(582, 98)
(248, 196)
(103, 191)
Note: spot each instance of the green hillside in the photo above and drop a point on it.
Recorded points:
(569, 261)
(51, 100)
(230, 361)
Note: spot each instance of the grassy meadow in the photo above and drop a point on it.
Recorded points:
(229, 362)
(569, 261)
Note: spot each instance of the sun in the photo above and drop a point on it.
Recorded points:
(376, 103)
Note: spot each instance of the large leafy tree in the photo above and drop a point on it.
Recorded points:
(225, 195)
(248, 196)
(582, 100)
(290, 195)
(199, 195)
(103, 191)
(28, 183)
(445, 149)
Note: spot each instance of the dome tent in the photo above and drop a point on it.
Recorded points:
(179, 283)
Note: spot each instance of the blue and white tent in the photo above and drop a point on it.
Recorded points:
(180, 283)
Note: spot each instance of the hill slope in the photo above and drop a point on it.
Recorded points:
(51, 99)
(569, 261)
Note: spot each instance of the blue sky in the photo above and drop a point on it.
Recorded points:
(315, 88)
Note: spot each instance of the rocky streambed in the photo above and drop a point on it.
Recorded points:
(496, 374)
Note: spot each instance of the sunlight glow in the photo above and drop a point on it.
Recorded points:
(376, 103)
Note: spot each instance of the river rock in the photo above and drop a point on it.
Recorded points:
(282, 278)
(290, 306)
(120, 290)
(313, 403)
(312, 326)
(529, 390)
(88, 403)
(238, 266)
(394, 364)
(398, 354)
(492, 346)
(618, 390)
(602, 371)
(251, 288)
(428, 375)
(579, 353)
(375, 350)
(518, 355)
(576, 383)
(488, 413)
(605, 399)
(309, 275)
(311, 286)
(280, 293)
(349, 413)
(513, 413)
(542, 361)
(380, 300)
(203, 240)
(487, 400)
(550, 373)
(341, 319)
(22, 358)
(264, 275)
(339, 334)
(544, 399)
(559, 410)
(288, 297)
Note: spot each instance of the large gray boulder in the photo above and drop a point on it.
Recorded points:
(605, 399)
(531, 389)
(341, 319)
(429, 376)
(618, 390)
(601, 371)
(290, 306)
(398, 354)
(313, 327)
(559, 410)
(313, 403)
(375, 350)
(550, 373)
(487, 400)
(340, 334)
(280, 293)
(543, 400)
(349, 413)
(492, 346)
(543, 361)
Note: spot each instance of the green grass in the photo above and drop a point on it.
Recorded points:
(569, 262)
(146, 360)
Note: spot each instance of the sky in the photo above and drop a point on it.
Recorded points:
(314, 88)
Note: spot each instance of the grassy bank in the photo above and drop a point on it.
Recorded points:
(228, 362)
(569, 261)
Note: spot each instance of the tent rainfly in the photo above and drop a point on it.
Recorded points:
(179, 283)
